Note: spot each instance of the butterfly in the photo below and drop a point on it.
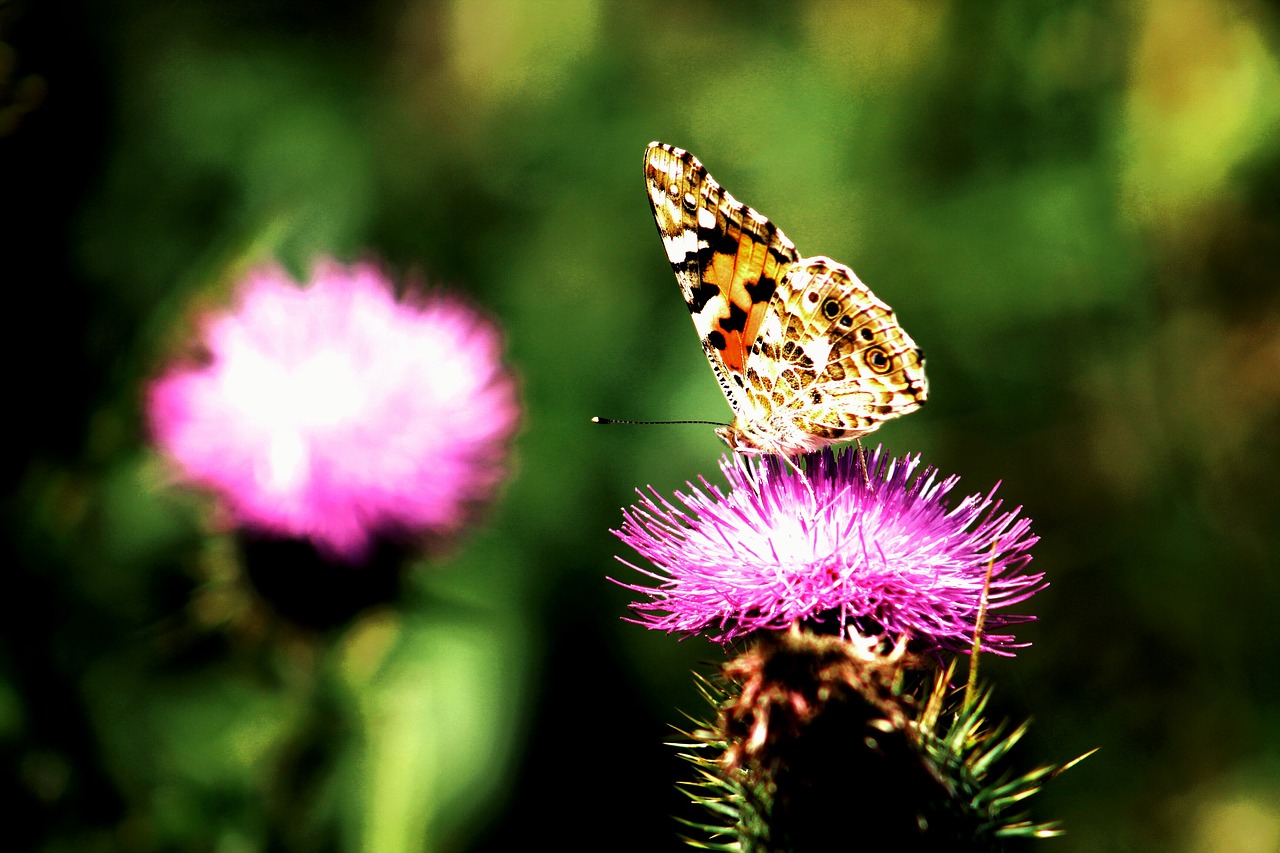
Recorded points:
(803, 350)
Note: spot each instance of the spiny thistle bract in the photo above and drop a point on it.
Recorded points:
(823, 743)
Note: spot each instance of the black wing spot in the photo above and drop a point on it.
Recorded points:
(830, 309)
(736, 321)
(719, 240)
(865, 333)
(717, 340)
(761, 290)
(700, 294)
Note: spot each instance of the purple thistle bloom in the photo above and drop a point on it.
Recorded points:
(876, 549)
(336, 412)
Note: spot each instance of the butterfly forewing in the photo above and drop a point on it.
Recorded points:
(727, 257)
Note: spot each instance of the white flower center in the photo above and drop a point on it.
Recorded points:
(296, 404)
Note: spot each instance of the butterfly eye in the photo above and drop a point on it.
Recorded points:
(877, 360)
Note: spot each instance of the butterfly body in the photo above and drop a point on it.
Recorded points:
(804, 352)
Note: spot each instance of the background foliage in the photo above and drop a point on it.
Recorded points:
(1072, 204)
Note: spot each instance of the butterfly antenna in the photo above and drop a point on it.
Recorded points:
(598, 420)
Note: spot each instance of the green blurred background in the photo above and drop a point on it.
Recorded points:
(1074, 207)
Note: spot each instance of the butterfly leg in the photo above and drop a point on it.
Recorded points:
(801, 473)
(804, 476)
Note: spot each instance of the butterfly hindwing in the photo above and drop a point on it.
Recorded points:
(831, 355)
(727, 257)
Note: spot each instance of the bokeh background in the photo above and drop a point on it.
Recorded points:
(1074, 205)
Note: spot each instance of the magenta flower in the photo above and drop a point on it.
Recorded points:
(336, 412)
(873, 550)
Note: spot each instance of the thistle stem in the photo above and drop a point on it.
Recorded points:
(971, 687)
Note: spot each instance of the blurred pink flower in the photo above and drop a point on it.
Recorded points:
(336, 412)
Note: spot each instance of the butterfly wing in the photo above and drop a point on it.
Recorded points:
(726, 256)
(831, 359)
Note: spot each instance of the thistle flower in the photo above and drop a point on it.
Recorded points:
(868, 546)
(335, 413)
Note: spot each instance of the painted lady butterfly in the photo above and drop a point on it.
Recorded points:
(804, 351)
